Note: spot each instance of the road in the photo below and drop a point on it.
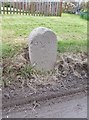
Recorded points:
(74, 106)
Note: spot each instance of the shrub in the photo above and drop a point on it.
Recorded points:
(85, 15)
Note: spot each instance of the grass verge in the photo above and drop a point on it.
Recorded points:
(70, 29)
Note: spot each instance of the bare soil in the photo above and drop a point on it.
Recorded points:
(20, 80)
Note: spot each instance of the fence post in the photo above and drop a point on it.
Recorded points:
(10, 7)
(0, 7)
(60, 7)
(3, 7)
(29, 7)
(23, 7)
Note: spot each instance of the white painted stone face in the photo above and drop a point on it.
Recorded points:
(42, 48)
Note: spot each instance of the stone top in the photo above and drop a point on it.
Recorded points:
(39, 31)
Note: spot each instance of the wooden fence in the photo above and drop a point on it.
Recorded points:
(31, 8)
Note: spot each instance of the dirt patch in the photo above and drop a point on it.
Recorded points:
(20, 79)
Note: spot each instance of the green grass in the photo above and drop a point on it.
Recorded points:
(70, 29)
(72, 46)
(9, 50)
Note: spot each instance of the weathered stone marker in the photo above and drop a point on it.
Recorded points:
(43, 48)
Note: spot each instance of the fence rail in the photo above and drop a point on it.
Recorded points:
(31, 8)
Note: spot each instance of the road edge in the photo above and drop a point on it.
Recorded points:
(42, 97)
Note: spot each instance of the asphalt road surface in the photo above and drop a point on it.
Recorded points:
(74, 106)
